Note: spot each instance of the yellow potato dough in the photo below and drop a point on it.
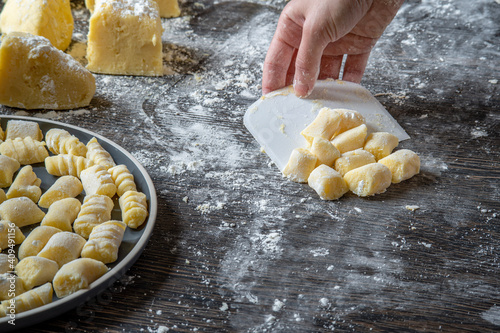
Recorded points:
(36, 75)
(7, 263)
(77, 274)
(323, 126)
(324, 151)
(7, 229)
(381, 144)
(3, 196)
(35, 271)
(50, 19)
(21, 211)
(369, 179)
(95, 210)
(8, 166)
(300, 165)
(327, 182)
(26, 184)
(63, 187)
(351, 139)
(348, 119)
(63, 247)
(97, 180)
(23, 129)
(125, 38)
(29, 300)
(353, 159)
(25, 151)
(168, 8)
(62, 214)
(104, 242)
(6, 292)
(403, 164)
(36, 241)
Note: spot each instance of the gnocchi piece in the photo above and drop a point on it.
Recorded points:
(62, 214)
(67, 165)
(76, 275)
(381, 144)
(123, 178)
(348, 119)
(63, 187)
(63, 247)
(104, 242)
(300, 165)
(26, 184)
(95, 210)
(97, 180)
(3, 196)
(25, 151)
(36, 241)
(323, 126)
(35, 271)
(353, 159)
(9, 230)
(2, 134)
(324, 151)
(369, 179)
(99, 155)
(60, 141)
(134, 208)
(8, 166)
(403, 164)
(21, 211)
(22, 129)
(29, 300)
(8, 280)
(351, 139)
(7, 263)
(327, 182)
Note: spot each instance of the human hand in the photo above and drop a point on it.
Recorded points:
(312, 37)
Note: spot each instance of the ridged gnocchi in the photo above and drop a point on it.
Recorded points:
(62, 214)
(29, 300)
(63, 247)
(26, 184)
(97, 180)
(134, 208)
(63, 187)
(25, 151)
(104, 242)
(77, 274)
(99, 155)
(21, 211)
(95, 210)
(123, 178)
(67, 165)
(60, 141)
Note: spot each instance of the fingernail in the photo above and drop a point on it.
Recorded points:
(301, 90)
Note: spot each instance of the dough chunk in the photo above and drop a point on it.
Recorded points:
(324, 151)
(7, 229)
(6, 291)
(351, 139)
(35, 271)
(22, 129)
(300, 165)
(125, 38)
(21, 211)
(63, 247)
(7, 263)
(2, 134)
(353, 159)
(168, 8)
(327, 182)
(95, 210)
(60, 141)
(3, 196)
(36, 241)
(63, 187)
(25, 151)
(36, 75)
(26, 184)
(104, 242)
(403, 164)
(77, 274)
(62, 214)
(67, 165)
(348, 119)
(369, 179)
(323, 126)
(99, 155)
(123, 178)
(97, 180)
(134, 206)
(381, 144)
(50, 19)
(8, 166)
(29, 300)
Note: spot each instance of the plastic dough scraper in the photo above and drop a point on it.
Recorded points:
(277, 119)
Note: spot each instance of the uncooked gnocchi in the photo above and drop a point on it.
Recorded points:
(104, 242)
(29, 300)
(95, 210)
(324, 125)
(67, 165)
(26, 184)
(21, 211)
(22, 129)
(77, 274)
(300, 165)
(99, 155)
(25, 151)
(123, 178)
(97, 180)
(62, 214)
(134, 208)
(8, 166)
(35, 271)
(60, 141)
(63, 187)
(63, 247)
(6, 291)
(9, 229)
(36, 241)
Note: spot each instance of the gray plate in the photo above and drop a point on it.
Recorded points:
(134, 241)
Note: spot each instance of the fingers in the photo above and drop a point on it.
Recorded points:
(354, 67)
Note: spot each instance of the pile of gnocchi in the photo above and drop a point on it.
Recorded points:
(74, 241)
(341, 156)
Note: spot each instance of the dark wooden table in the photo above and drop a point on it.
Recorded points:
(237, 248)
